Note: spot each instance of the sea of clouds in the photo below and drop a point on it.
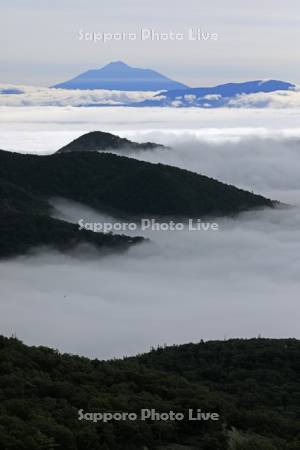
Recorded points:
(241, 281)
(22, 95)
(19, 95)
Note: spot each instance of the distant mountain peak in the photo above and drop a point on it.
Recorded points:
(116, 64)
(119, 76)
(96, 141)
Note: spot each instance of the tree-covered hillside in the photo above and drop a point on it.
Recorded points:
(125, 185)
(25, 224)
(253, 385)
(20, 233)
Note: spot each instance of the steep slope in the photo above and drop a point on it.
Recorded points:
(121, 77)
(124, 185)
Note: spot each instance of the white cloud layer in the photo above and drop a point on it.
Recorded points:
(45, 129)
(42, 96)
(239, 282)
(277, 99)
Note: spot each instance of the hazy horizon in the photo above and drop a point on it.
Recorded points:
(255, 41)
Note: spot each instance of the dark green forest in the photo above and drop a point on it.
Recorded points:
(253, 384)
(121, 186)
(127, 186)
(25, 224)
(22, 233)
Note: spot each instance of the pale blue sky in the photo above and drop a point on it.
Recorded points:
(257, 39)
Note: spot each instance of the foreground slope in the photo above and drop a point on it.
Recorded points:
(252, 384)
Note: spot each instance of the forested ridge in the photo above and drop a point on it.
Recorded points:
(125, 185)
(253, 384)
(122, 186)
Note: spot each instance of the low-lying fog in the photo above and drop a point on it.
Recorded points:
(240, 281)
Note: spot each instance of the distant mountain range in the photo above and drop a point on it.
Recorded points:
(121, 77)
(216, 96)
(118, 84)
